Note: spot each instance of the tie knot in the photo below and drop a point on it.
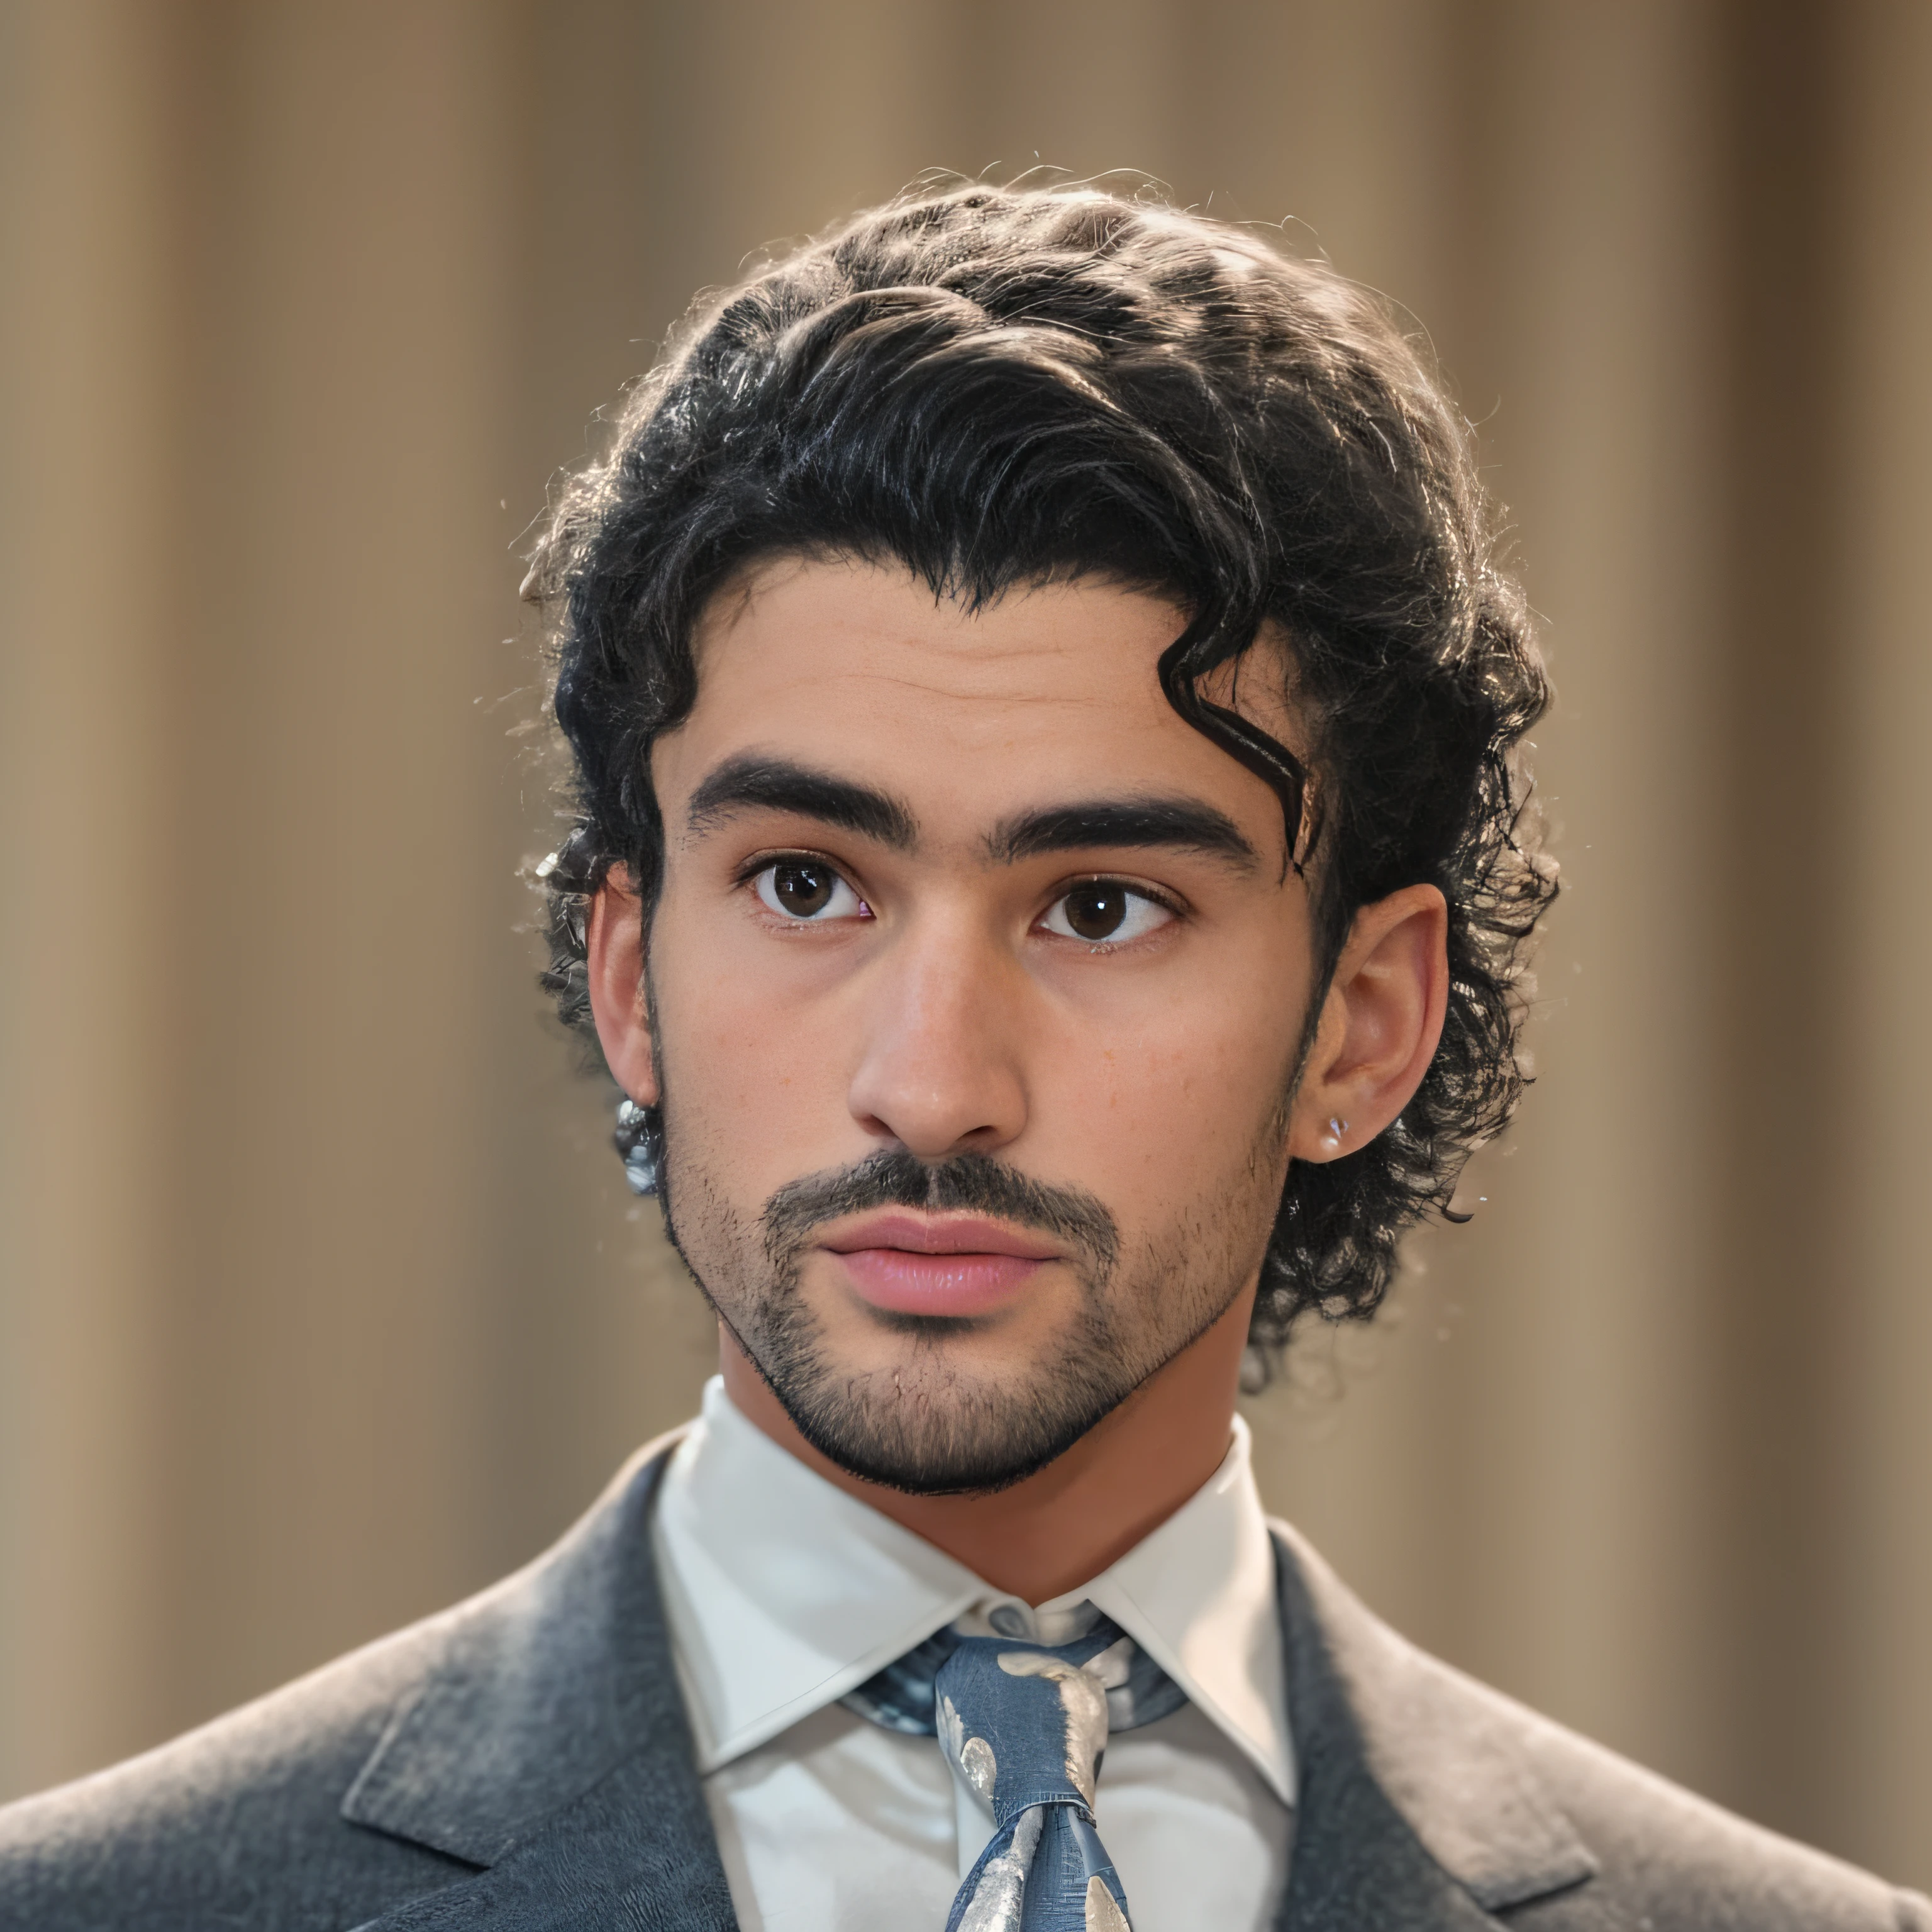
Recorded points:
(1026, 1725)
(904, 1696)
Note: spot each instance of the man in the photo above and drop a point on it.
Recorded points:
(1051, 882)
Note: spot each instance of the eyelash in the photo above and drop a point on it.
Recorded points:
(755, 868)
(1130, 889)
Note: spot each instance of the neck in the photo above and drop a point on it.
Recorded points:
(1064, 1525)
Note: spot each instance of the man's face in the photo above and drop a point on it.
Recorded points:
(978, 978)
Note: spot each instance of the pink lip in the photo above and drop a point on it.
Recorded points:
(956, 1265)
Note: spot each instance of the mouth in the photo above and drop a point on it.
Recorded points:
(951, 1264)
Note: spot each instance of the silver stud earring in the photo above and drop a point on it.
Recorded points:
(635, 1141)
(1337, 1128)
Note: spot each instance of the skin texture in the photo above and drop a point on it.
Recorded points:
(942, 1007)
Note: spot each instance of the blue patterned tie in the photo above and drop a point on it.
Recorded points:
(1026, 1724)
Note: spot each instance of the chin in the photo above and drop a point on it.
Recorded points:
(929, 1426)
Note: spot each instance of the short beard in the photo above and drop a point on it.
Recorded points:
(929, 1429)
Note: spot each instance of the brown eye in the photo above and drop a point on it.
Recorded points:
(1097, 910)
(1105, 912)
(803, 890)
(808, 889)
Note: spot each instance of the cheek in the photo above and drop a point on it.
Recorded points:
(747, 1072)
(1167, 1105)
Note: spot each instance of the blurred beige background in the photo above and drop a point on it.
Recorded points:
(321, 1300)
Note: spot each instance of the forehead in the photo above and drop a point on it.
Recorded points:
(1049, 688)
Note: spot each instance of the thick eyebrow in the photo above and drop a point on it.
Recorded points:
(749, 782)
(1180, 824)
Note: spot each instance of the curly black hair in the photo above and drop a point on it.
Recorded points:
(999, 386)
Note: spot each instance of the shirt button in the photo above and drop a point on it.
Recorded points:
(1009, 1620)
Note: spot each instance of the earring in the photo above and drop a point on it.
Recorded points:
(637, 1145)
(1337, 1128)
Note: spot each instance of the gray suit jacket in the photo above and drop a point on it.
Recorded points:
(522, 1764)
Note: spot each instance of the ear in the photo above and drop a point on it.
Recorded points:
(1379, 1025)
(615, 937)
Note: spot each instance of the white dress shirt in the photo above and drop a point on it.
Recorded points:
(784, 1591)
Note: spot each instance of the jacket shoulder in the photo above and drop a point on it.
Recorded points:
(1537, 1824)
(400, 1770)
(239, 1823)
(1677, 1861)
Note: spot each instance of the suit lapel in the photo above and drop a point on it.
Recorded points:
(635, 1851)
(549, 1744)
(1415, 1811)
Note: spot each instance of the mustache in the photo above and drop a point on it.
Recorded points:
(970, 1182)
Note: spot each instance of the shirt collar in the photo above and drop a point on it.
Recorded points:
(784, 1591)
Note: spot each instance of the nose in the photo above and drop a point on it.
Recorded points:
(941, 1072)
